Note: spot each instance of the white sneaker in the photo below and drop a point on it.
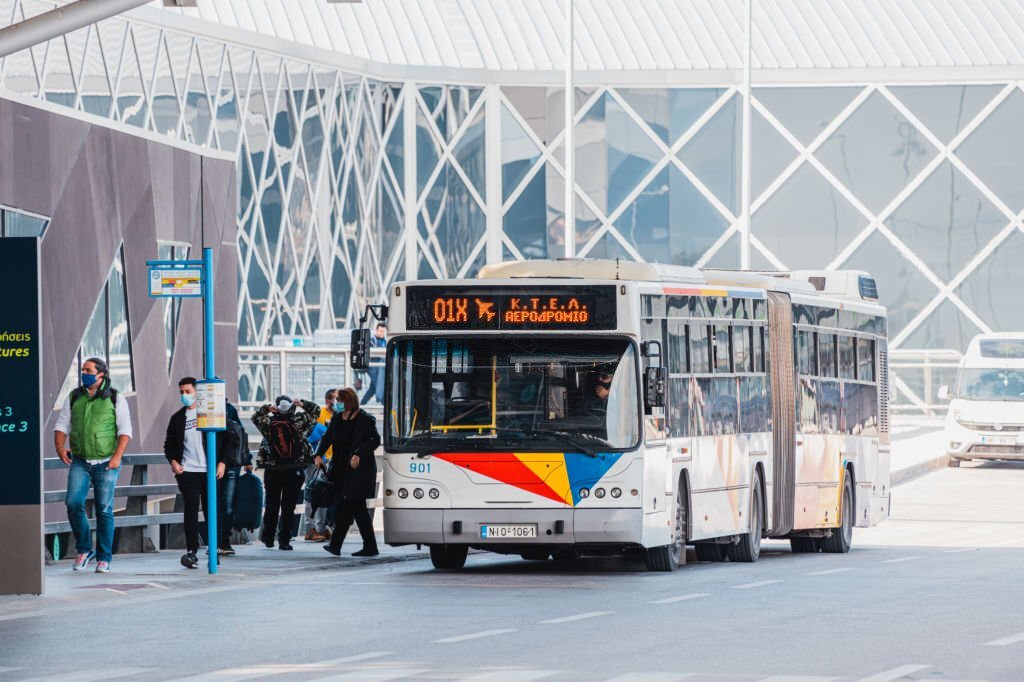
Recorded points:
(103, 567)
(82, 561)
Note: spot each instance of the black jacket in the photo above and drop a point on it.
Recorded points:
(360, 482)
(174, 442)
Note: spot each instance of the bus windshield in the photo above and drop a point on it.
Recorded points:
(992, 384)
(540, 394)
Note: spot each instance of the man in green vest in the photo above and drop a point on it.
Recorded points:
(96, 419)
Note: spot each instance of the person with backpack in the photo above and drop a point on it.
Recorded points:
(316, 517)
(283, 455)
(185, 450)
(236, 456)
(100, 427)
(352, 435)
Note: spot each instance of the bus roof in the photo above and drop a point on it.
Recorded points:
(844, 285)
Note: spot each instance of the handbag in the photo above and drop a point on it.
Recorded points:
(320, 491)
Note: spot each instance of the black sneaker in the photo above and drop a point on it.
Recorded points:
(226, 550)
(286, 546)
(331, 550)
(268, 542)
(366, 552)
(189, 560)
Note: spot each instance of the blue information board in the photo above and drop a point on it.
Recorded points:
(20, 441)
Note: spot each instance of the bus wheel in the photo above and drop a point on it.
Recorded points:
(710, 551)
(448, 557)
(748, 549)
(668, 557)
(803, 545)
(842, 537)
(953, 462)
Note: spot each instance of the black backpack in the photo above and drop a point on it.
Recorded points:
(286, 443)
(236, 447)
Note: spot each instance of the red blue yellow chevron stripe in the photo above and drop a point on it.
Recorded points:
(556, 476)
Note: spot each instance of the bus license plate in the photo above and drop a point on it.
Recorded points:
(999, 440)
(508, 531)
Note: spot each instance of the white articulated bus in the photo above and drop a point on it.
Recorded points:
(571, 407)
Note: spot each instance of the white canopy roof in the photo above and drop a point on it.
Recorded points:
(669, 41)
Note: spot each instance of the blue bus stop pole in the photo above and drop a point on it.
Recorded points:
(211, 437)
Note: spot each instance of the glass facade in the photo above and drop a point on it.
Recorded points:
(347, 183)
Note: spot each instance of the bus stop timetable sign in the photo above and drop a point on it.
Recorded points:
(176, 282)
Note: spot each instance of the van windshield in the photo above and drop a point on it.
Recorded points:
(991, 384)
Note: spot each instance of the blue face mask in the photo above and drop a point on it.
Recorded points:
(187, 399)
(89, 379)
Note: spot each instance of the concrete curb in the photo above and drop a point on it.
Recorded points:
(902, 475)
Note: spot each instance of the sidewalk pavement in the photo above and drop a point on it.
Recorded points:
(159, 575)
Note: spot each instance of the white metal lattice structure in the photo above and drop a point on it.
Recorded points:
(384, 140)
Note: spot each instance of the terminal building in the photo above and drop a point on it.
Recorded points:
(377, 141)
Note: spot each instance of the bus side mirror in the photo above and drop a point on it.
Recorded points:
(654, 386)
(359, 351)
(944, 393)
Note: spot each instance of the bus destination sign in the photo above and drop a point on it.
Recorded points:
(511, 308)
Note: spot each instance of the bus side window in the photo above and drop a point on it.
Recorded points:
(865, 360)
(677, 348)
(741, 343)
(847, 360)
(700, 362)
(758, 349)
(827, 355)
(806, 360)
(721, 349)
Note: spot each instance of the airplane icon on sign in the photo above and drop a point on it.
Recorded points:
(485, 310)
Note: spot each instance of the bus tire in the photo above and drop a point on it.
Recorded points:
(842, 537)
(803, 545)
(709, 551)
(954, 462)
(748, 549)
(539, 555)
(667, 558)
(448, 557)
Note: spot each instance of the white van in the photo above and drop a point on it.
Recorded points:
(986, 415)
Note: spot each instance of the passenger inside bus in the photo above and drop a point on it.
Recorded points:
(596, 389)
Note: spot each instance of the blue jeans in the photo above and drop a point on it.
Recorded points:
(376, 387)
(226, 503)
(81, 476)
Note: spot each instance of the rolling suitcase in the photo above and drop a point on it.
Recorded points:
(248, 502)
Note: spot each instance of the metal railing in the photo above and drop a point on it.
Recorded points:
(133, 526)
(301, 372)
(916, 378)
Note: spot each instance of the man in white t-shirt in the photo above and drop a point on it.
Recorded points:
(185, 449)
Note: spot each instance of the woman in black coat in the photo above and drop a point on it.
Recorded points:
(352, 435)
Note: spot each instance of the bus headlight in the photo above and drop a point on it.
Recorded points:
(403, 493)
(434, 493)
(616, 493)
(584, 493)
(418, 493)
(599, 493)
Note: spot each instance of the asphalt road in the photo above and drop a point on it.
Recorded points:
(934, 593)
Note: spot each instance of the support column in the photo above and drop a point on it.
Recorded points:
(60, 21)
(409, 192)
(492, 163)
